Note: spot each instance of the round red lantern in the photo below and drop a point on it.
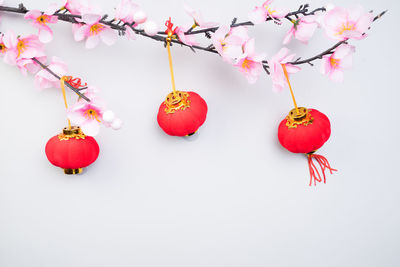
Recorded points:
(305, 131)
(72, 150)
(182, 113)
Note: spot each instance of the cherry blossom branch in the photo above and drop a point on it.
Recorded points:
(71, 18)
(319, 56)
(76, 91)
(328, 51)
(160, 36)
(303, 10)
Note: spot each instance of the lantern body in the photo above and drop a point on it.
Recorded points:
(307, 135)
(72, 150)
(182, 114)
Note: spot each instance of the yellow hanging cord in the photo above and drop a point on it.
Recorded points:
(171, 68)
(62, 82)
(291, 90)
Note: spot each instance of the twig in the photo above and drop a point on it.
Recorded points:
(71, 18)
(58, 77)
(319, 56)
(303, 10)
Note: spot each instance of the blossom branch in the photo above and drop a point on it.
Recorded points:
(71, 18)
(76, 91)
(295, 17)
(330, 50)
(319, 56)
(303, 10)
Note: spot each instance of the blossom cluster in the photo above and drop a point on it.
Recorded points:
(339, 24)
(236, 47)
(232, 42)
(27, 53)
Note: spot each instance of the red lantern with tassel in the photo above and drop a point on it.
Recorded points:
(72, 150)
(305, 131)
(182, 113)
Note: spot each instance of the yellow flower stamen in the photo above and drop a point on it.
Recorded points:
(346, 27)
(269, 10)
(21, 47)
(335, 62)
(3, 48)
(92, 115)
(96, 28)
(246, 64)
(43, 19)
(223, 44)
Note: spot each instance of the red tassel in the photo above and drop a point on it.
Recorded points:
(314, 173)
(75, 82)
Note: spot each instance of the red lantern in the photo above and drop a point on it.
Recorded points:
(182, 113)
(305, 131)
(72, 150)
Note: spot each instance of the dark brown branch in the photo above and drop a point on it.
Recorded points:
(43, 66)
(319, 56)
(303, 10)
(161, 35)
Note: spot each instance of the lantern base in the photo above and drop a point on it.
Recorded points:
(73, 171)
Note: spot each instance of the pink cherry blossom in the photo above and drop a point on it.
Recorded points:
(73, 6)
(87, 115)
(125, 11)
(80, 7)
(267, 10)
(43, 79)
(185, 38)
(21, 47)
(229, 41)
(54, 7)
(26, 65)
(278, 77)
(352, 23)
(333, 65)
(198, 18)
(3, 48)
(303, 29)
(94, 31)
(250, 63)
(40, 21)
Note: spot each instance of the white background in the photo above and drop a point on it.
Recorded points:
(231, 196)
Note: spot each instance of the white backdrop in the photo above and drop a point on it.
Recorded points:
(237, 197)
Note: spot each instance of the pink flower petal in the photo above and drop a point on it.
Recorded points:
(92, 41)
(45, 35)
(33, 14)
(109, 36)
(257, 16)
(10, 40)
(91, 19)
(336, 76)
(288, 37)
(90, 127)
(79, 33)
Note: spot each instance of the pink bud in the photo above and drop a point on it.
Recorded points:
(140, 17)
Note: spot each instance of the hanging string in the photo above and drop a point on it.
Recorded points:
(171, 68)
(62, 82)
(170, 32)
(315, 175)
(290, 87)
